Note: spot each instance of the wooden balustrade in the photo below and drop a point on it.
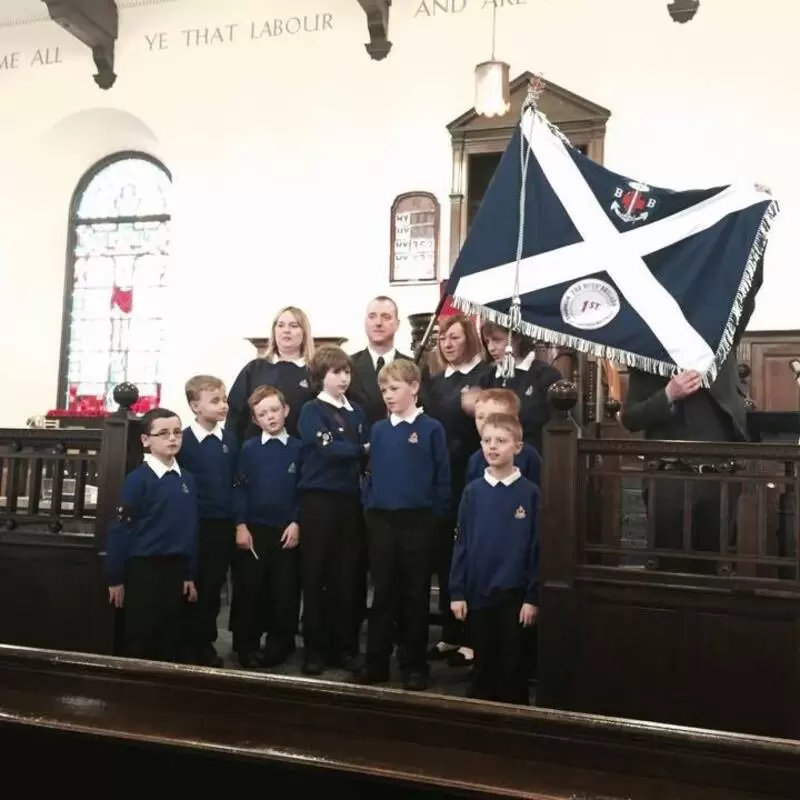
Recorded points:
(58, 491)
(621, 635)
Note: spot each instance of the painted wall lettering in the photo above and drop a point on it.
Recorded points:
(435, 8)
(46, 57)
(9, 61)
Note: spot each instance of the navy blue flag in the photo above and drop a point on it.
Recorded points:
(645, 276)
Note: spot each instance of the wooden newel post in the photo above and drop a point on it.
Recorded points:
(559, 549)
(120, 452)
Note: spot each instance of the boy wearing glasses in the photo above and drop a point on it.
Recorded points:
(151, 548)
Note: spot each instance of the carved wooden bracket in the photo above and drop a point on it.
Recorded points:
(96, 24)
(377, 12)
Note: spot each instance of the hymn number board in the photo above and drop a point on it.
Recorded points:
(414, 256)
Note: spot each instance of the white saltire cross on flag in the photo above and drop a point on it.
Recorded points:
(604, 248)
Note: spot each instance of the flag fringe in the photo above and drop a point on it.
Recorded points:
(745, 286)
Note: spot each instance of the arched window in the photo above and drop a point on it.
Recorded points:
(117, 267)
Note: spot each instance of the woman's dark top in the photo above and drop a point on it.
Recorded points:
(532, 378)
(441, 398)
(288, 376)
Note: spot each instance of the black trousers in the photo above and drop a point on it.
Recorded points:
(452, 629)
(153, 609)
(401, 546)
(266, 592)
(669, 503)
(331, 528)
(499, 672)
(215, 543)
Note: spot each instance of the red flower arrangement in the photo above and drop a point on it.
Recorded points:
(94, 406)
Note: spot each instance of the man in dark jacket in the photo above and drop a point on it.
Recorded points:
(381, 324)
(680, 409)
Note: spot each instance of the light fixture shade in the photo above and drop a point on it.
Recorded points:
(492, 91)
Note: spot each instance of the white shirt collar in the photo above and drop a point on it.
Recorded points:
(464, 369)
(492, 481)
(395, 419)
(200, 433)
(282, 437)
(159, 467)
(387, 357)
(343, 403)
(300, 362)
(522, 364)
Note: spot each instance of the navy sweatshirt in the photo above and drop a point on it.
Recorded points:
(290, 378)
(527, 460)
(441, 398)
(156, 516)
(266, 481)
(497, 543)
(409, 466)
(530, 383)
(333, 447)
(212, 462)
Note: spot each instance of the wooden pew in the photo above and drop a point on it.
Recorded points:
(93, 723)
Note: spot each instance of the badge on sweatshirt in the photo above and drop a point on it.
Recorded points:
(225, 449)
(465, 389)
(184, 488)
(325, 438)
(529, 391)
(303, 384)
(413, 438)
(520, 513)
(292, 468)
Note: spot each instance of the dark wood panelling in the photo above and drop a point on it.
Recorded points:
(52, 594)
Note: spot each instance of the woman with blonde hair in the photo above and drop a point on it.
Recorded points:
(283, 366)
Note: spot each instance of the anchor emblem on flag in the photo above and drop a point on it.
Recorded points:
(632, 204)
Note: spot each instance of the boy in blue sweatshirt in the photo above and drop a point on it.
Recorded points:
(503, 401)
(407, 491)
(266, 568)
(485, 403)
(335, 442)
(151, 548)
(208, 452)
(494, 579)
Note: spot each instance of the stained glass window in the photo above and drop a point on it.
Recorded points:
(119, 251)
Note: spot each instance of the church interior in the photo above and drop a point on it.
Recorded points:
(177, 171)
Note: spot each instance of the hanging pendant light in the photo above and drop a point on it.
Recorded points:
(492, 84)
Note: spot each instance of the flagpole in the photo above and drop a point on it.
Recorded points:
(423, 344)
(598, 399)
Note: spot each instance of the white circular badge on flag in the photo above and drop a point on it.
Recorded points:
(589, 304)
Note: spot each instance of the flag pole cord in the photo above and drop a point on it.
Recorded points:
(508, 364)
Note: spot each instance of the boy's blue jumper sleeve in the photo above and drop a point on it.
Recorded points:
(458, 568)
(441, 472)
(240, 488)
(315, 432)
(193, 553)
(532, 587)
(121, 529)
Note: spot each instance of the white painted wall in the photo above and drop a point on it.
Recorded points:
(288, 151)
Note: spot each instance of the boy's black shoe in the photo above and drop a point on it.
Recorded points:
(250, 660)
(312, 665)
(351, 662)
(415, 681)
(207, 656)
(275, 654)
(369, 675)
